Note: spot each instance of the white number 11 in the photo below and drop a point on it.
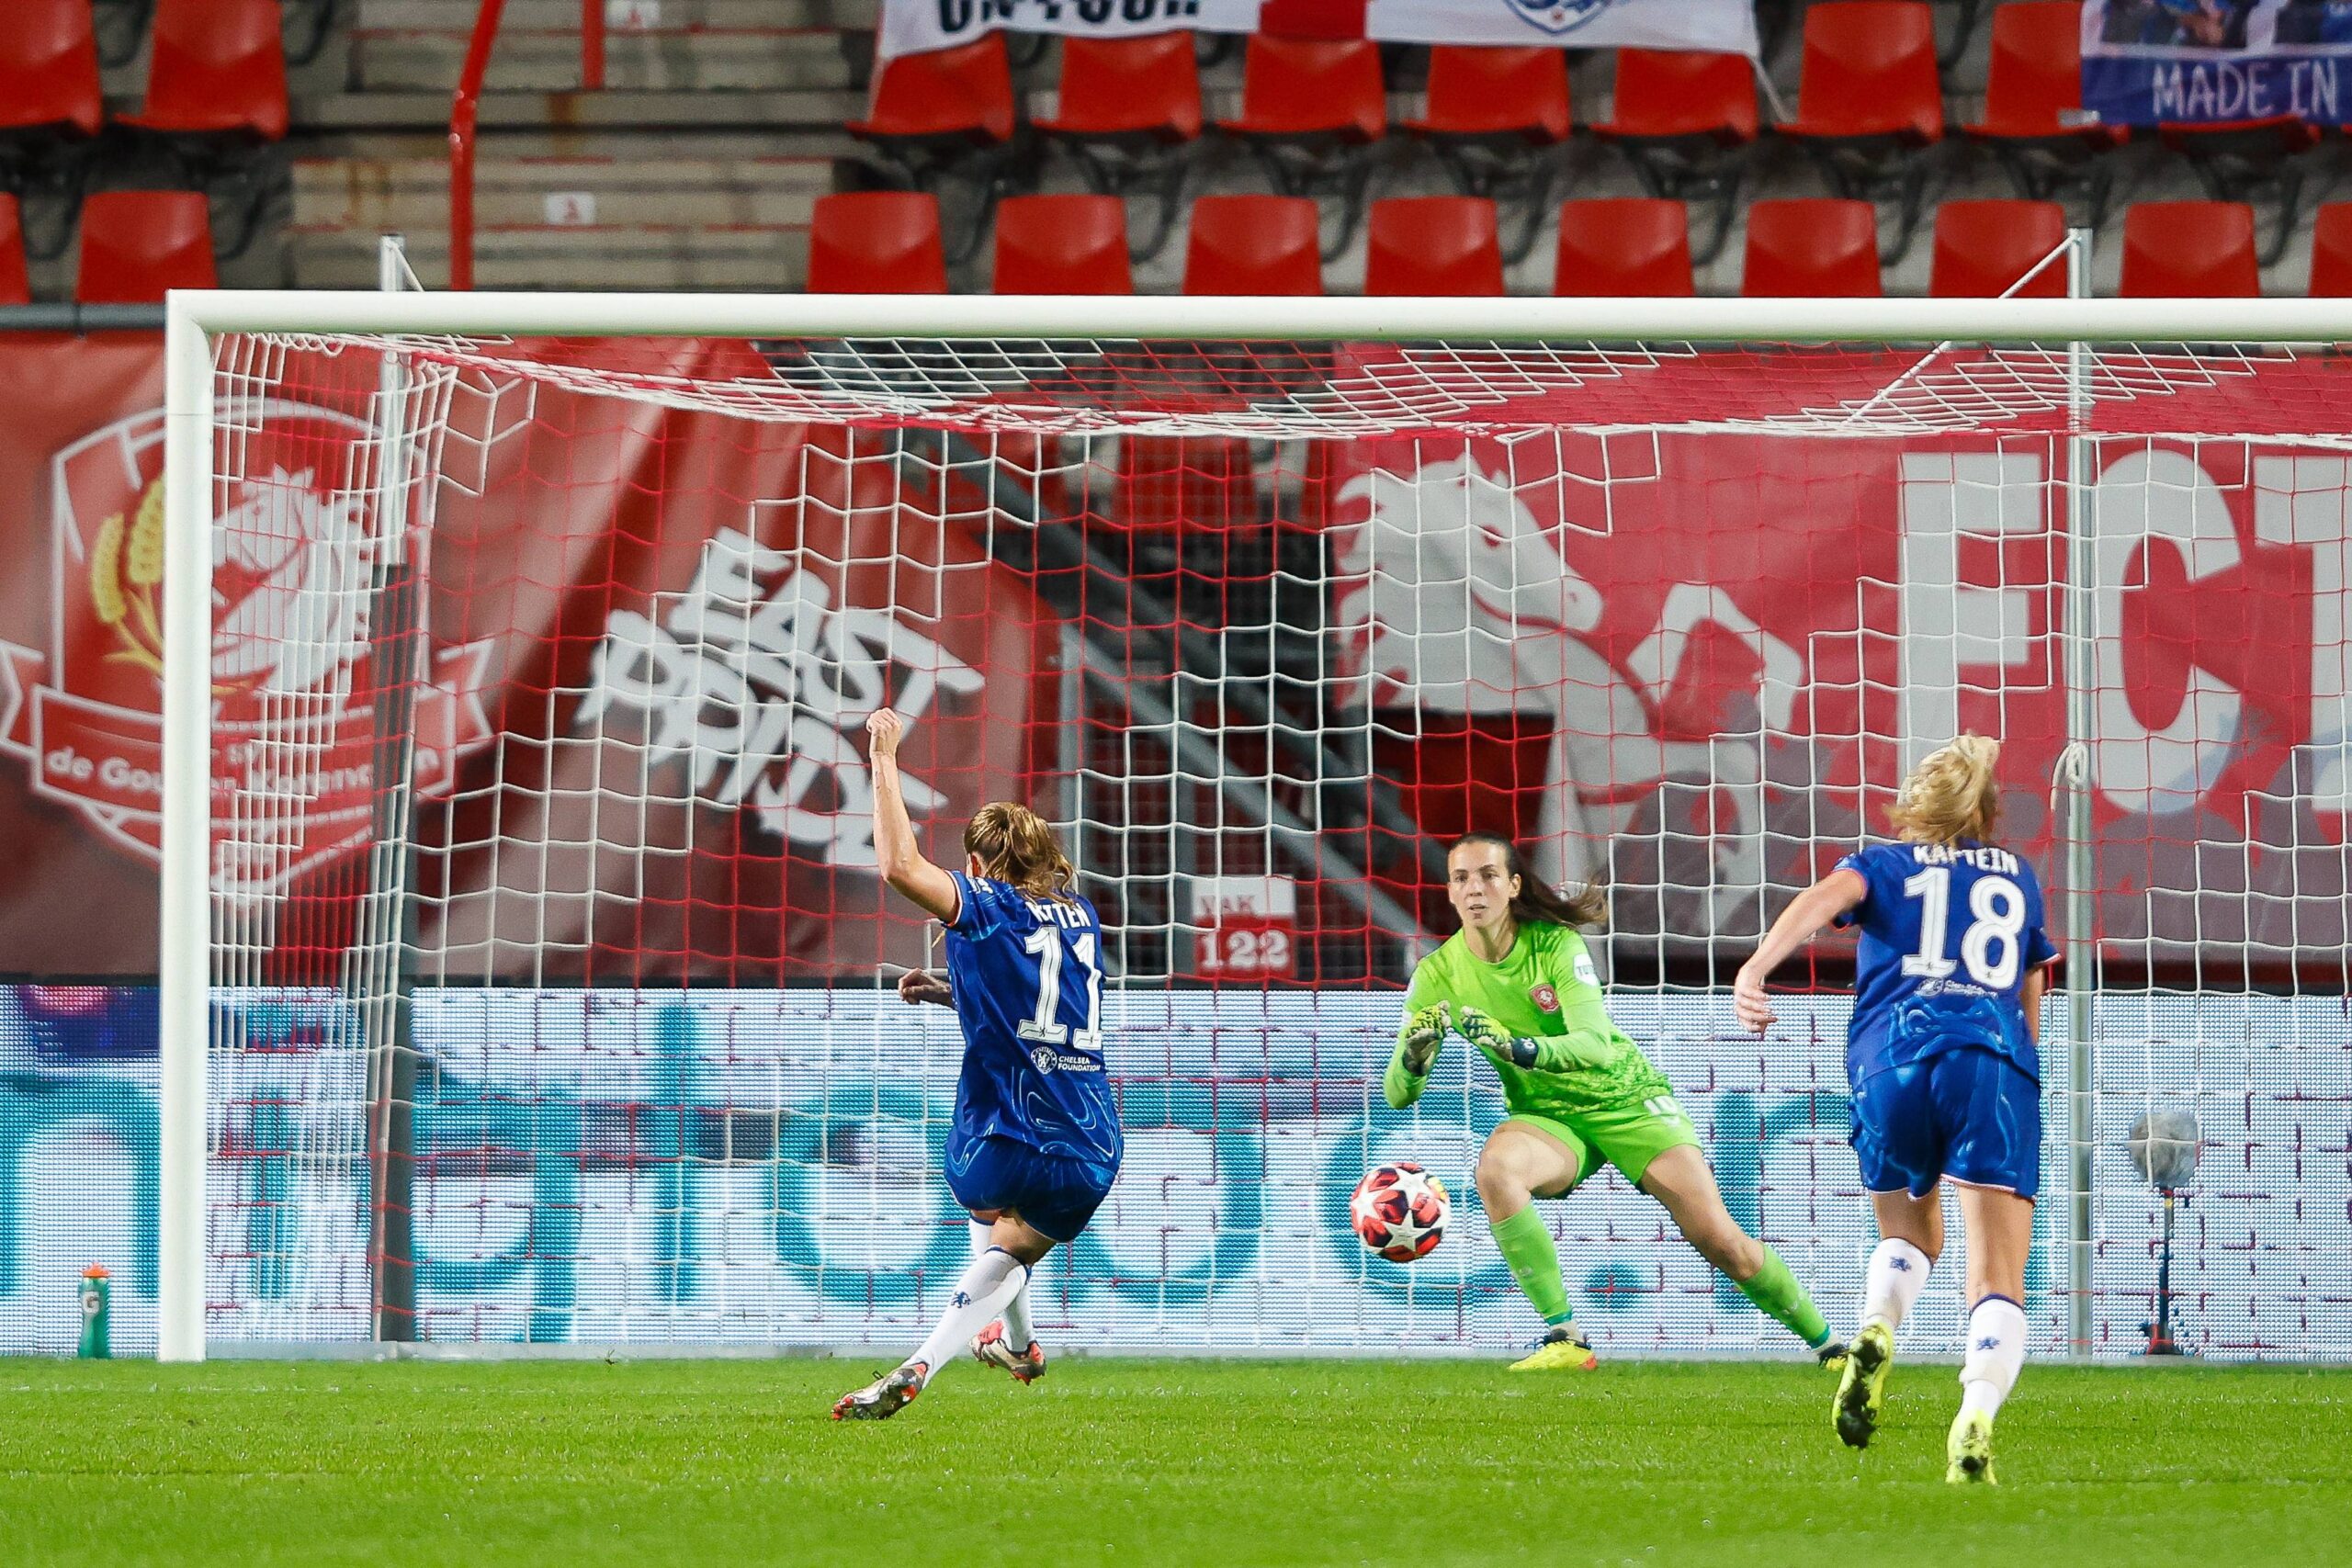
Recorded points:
(1042, 1026)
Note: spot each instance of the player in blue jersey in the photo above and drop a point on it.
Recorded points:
(1945, 1075)
(1035, 1143)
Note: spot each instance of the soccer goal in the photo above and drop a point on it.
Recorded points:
(526, 979)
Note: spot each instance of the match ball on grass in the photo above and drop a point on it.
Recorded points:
(1399, 1210)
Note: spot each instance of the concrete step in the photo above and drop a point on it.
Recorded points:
(412, 196)
(550, 62)
(750, 257)
(620, 15)
(426, 110)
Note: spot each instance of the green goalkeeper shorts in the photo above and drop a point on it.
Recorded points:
(1628, 1137)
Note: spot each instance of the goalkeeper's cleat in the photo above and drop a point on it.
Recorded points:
(1832, 1356)
(1861, 1386)
(1563, 1351)
(885, 1396)
(1969, 1451)
(990, 1348)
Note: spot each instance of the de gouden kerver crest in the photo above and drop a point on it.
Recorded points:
(292, 717)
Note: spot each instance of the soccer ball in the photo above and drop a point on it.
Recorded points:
(1399, 1210)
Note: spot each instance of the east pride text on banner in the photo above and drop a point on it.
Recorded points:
(2215, 61)
(1728, 27)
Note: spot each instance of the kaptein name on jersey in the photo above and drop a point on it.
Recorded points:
(1983, 857)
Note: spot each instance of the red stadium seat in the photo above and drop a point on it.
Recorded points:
(1687, 122)
(1812, 249)
(2033, 107)
(1512, 96)
(1309, 107)
(2190, 250)
(2034, 89)
(1984, 247)
(1134, 90)
(960, 95)
(1672, 94)
(2332, 251)
(1869, 71)
(1062, 244)
(1311, 87)
(1631, 248)
(49, 68)
(15, 284)
(137, 243)
(2247, 159)
(1870, 104)
(218, 66)
(1433, 244)
(882, 241)
(1253, 244)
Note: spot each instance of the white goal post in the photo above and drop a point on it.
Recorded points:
(197, 322)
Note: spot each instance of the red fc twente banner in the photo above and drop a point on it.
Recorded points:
(1693, 664)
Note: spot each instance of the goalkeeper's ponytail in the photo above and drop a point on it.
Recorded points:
(1016, 846)
(1539, 900)
(1951, 796)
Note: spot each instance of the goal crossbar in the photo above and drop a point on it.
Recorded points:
(1325, 319)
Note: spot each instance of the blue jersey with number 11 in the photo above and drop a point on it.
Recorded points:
(1949, 934)
(1027, 981)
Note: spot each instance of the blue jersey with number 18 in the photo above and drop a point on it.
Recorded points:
(1949, 934)
(1027, 981)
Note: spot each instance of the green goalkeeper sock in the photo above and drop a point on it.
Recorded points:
(1535, 1264)
(1777, 1296)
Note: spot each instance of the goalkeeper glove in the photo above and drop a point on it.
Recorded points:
(1554, 1053)
(1424, 1033)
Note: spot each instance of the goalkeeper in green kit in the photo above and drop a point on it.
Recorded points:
(1517, 983)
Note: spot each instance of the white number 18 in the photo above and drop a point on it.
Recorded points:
(1990, 948)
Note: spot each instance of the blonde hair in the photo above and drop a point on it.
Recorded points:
(1950, 795)
(1016, 846)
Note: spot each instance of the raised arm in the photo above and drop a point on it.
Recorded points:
(901, 863)
(1807, 913)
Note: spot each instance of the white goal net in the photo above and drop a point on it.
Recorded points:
(546, 987)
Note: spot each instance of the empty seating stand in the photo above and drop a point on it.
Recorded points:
(1253, 244)
(1062, 244)
(1130, 109)
(49, 71)
(944, 111)
(877, 242)
(216, 91)
(1309, 107)
(1812, 249)
(1987, 249)
(1869, 102)
(217, 69)
(2190, 250)
(1433, 244)
(2332, 251)
(1634, 247)
(1688, 123)
(136, 245)
(1493, 114)
(2033, 107)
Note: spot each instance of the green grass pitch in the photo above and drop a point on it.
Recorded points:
(716, 1463)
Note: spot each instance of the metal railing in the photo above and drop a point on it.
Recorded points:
(81, 319)
(465, 111)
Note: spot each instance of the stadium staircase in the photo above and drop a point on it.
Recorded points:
(696, 168)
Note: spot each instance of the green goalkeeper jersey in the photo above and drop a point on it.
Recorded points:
(1544, 987)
